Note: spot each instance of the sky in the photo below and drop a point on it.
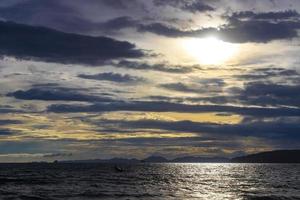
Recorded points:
(88, 79)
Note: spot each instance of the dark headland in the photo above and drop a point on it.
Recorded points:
(280, 156)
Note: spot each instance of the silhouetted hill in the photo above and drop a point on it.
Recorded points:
(113, 160)
(281, 156)
(156, 159)
(191, 159)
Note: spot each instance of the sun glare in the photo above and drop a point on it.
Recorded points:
(210, 50)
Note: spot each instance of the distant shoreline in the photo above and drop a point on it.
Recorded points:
(272, 157)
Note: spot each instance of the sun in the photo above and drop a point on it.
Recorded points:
(210, 51)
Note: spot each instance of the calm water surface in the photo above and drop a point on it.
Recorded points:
(149, 181)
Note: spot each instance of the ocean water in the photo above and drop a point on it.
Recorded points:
(149, 181)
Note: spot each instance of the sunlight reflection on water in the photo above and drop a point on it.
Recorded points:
(150, 181)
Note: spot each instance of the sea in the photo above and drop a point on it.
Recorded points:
(74, 181)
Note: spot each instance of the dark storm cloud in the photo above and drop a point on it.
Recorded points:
(235, 32)
(159, 106)
(54, 155)
(257, 94)
(280, 15)
(9, 109)
(261, 93)
(120, 4)
(171, 31)
(8, 121)
(114, 77)
(55, 14)
(56, 94)
(70, 16)
(36, 11)
(179, 87)
(6, 132)
(269, 73)
(241, 27)
(118, 23)
(28, 42)
(258, 31)
(163, 67)
(202, 86)
(272, 129)
(186, 5)
(276, 90)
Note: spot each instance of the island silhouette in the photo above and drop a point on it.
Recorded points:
(278, 156)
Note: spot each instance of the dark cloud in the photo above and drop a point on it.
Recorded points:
(55, 14)
(114, 77)
(70, 16)
(163, 67)
(35, 11)
(235, 32)
(54, 155)
(261, 93)
(186, 5)
(179, 87)
(158, 106)
(171, 31)
(121, 4)
(205, 86)
(9, 109)
(28, 42)
(56, 94)
(280, 15)
(241, 27)
(8, 121)
(257, 93)
(272, 129)
(6, 132)
(268, 73)
(275, 26)
(118, 23)
(258, 31)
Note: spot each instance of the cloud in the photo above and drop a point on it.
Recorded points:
(186, 5)
(234, 32)
(258, 31)
(239, 29)
(114, 77)
(171, 31)
(261, 93)
(28, 42)
(202, 86)
(70, 16)
(8, 121)
(54, 155)
(179, 87)
(162, 67)
(117, 24)
(35, 11)
(159, 106)
(6, 132)
(280, 15)
(56, 94)
(9, 109)
(272, 129)
(265, 74)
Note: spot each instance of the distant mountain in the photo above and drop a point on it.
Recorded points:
(113, 160)
(281, 156)
(156, 159)
(191, 159)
